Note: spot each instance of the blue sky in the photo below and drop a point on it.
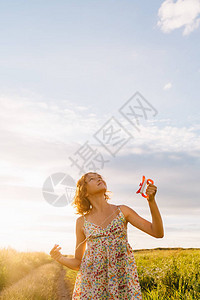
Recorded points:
(67, 67)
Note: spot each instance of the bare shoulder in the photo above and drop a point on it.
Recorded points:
(80, 219)
(125, 211)
(80, 223)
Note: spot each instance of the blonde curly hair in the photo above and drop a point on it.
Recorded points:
(81, 202)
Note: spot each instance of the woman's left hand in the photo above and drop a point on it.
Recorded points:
(151, 192)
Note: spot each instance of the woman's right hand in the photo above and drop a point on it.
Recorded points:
(55, 253)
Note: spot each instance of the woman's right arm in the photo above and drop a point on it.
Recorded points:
(72, 263)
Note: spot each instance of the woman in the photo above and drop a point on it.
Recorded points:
(107, 269)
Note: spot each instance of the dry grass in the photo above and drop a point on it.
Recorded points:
(40, 284)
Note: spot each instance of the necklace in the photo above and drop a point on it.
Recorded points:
(97, 225)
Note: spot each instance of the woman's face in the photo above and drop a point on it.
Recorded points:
(95, 183)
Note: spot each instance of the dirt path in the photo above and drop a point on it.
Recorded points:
(63, 292)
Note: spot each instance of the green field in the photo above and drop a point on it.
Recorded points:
(169, 274)
(163, 274)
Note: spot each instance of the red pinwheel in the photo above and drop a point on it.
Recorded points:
(142, 186)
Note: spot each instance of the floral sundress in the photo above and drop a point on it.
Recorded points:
(108, 269)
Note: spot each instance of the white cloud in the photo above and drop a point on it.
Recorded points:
(34, 145)
(42, 134)
(30, 118)
(80, 107)
(182, 13)
(167, 86)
